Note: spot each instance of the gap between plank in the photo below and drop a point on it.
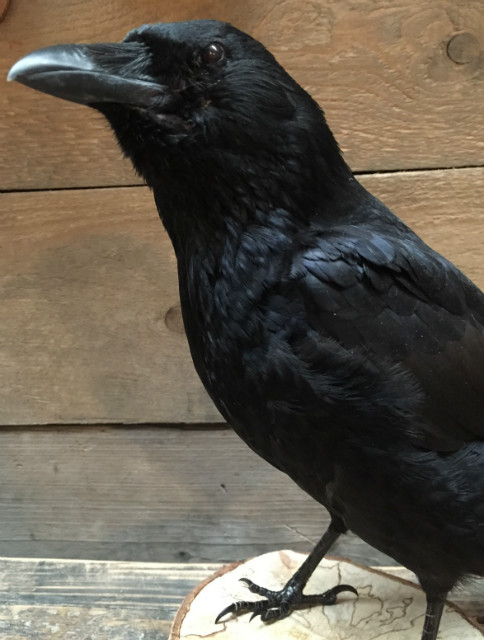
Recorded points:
(355, 173)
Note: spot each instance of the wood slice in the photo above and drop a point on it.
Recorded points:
(387, 608)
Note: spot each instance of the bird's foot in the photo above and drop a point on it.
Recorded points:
(279, 604)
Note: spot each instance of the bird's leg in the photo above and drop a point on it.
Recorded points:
(279, 604)
(433, 614)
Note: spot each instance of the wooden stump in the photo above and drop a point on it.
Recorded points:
(388, 608)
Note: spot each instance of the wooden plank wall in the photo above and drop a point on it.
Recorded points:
(97, 387)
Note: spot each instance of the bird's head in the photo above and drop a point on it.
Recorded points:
(196, 101)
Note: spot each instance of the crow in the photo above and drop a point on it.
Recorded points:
(340, 347)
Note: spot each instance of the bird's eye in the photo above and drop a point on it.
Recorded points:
(213, 53)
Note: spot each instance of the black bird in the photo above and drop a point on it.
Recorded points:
(342, 349)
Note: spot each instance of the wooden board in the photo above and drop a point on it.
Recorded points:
(87, 281)
(386, 607)
(55, 600)
(147, 493)
(59, 600)
(91, 329)
(401, 81)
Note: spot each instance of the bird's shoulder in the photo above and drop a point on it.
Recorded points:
(391, 265)
(378, 289)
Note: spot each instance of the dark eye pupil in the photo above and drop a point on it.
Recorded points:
(213, 53)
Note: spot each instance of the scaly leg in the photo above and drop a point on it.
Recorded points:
(433, 614)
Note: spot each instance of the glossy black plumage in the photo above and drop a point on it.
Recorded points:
(341, 348)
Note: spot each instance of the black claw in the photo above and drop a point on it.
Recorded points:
(243, 605)
(248, 583)
(340, 588)
(235, 607)
(255, 588)
(328, 597)
(229, 609)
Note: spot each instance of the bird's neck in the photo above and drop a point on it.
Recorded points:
(207, 200)
(222, 285)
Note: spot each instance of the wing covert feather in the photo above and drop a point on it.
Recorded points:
(402, 302)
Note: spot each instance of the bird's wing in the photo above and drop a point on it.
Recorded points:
(393, 297)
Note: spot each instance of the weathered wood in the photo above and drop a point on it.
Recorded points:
(87, 280)
(88, 290)
(55, 600)
(386, 606)
(59, 600)
(401, 81)
(150, 493)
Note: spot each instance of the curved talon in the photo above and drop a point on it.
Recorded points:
(235, 607)
(257, 607)
(248, 583)
(329, 597)
(345, 587)
(229, 609)
(255, 588)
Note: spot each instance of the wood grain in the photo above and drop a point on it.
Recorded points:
(87, 280)
(399, 90)
(151, 494)
(88, 289)
(58, 599)
(386, 606)
(55, 600)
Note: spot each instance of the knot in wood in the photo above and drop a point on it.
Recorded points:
(174, 319)
(3, 8)
(463, 48)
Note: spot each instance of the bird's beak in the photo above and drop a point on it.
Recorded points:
(91, 74)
